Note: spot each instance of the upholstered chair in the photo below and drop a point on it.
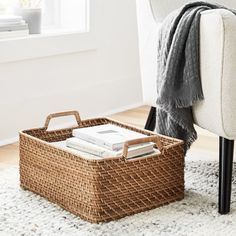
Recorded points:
(217, 112)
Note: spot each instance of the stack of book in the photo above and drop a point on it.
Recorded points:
(107, 141)
(13, 27)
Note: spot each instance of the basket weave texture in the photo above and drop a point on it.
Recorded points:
(100, 190)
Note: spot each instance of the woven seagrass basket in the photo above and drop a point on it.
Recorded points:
(106, 189)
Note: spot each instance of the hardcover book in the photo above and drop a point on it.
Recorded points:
(84, 146)
(109, 136)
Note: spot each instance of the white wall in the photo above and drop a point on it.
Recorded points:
(93, 82)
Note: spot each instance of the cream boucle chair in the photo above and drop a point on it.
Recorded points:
(217, 113)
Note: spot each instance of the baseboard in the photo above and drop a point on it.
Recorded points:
(68, 124)
(9, 141)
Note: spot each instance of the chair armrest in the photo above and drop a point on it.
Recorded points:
(217, 112)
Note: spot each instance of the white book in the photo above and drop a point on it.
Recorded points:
(10, 24)
(109, 136)
(14, 34)
(62, 145)
(84, 146)
(14, 28)
(10, 19)
(88, 156)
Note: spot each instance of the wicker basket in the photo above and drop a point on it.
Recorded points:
(106, 189)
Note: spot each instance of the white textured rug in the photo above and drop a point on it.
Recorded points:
(24, 213)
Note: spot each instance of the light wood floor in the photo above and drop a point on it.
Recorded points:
(206, 147)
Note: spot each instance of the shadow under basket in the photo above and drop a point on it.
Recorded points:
(105, 189)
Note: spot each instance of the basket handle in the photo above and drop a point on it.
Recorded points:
(154, 138)
(61, 114)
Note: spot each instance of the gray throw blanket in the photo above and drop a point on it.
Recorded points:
(178, 72)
